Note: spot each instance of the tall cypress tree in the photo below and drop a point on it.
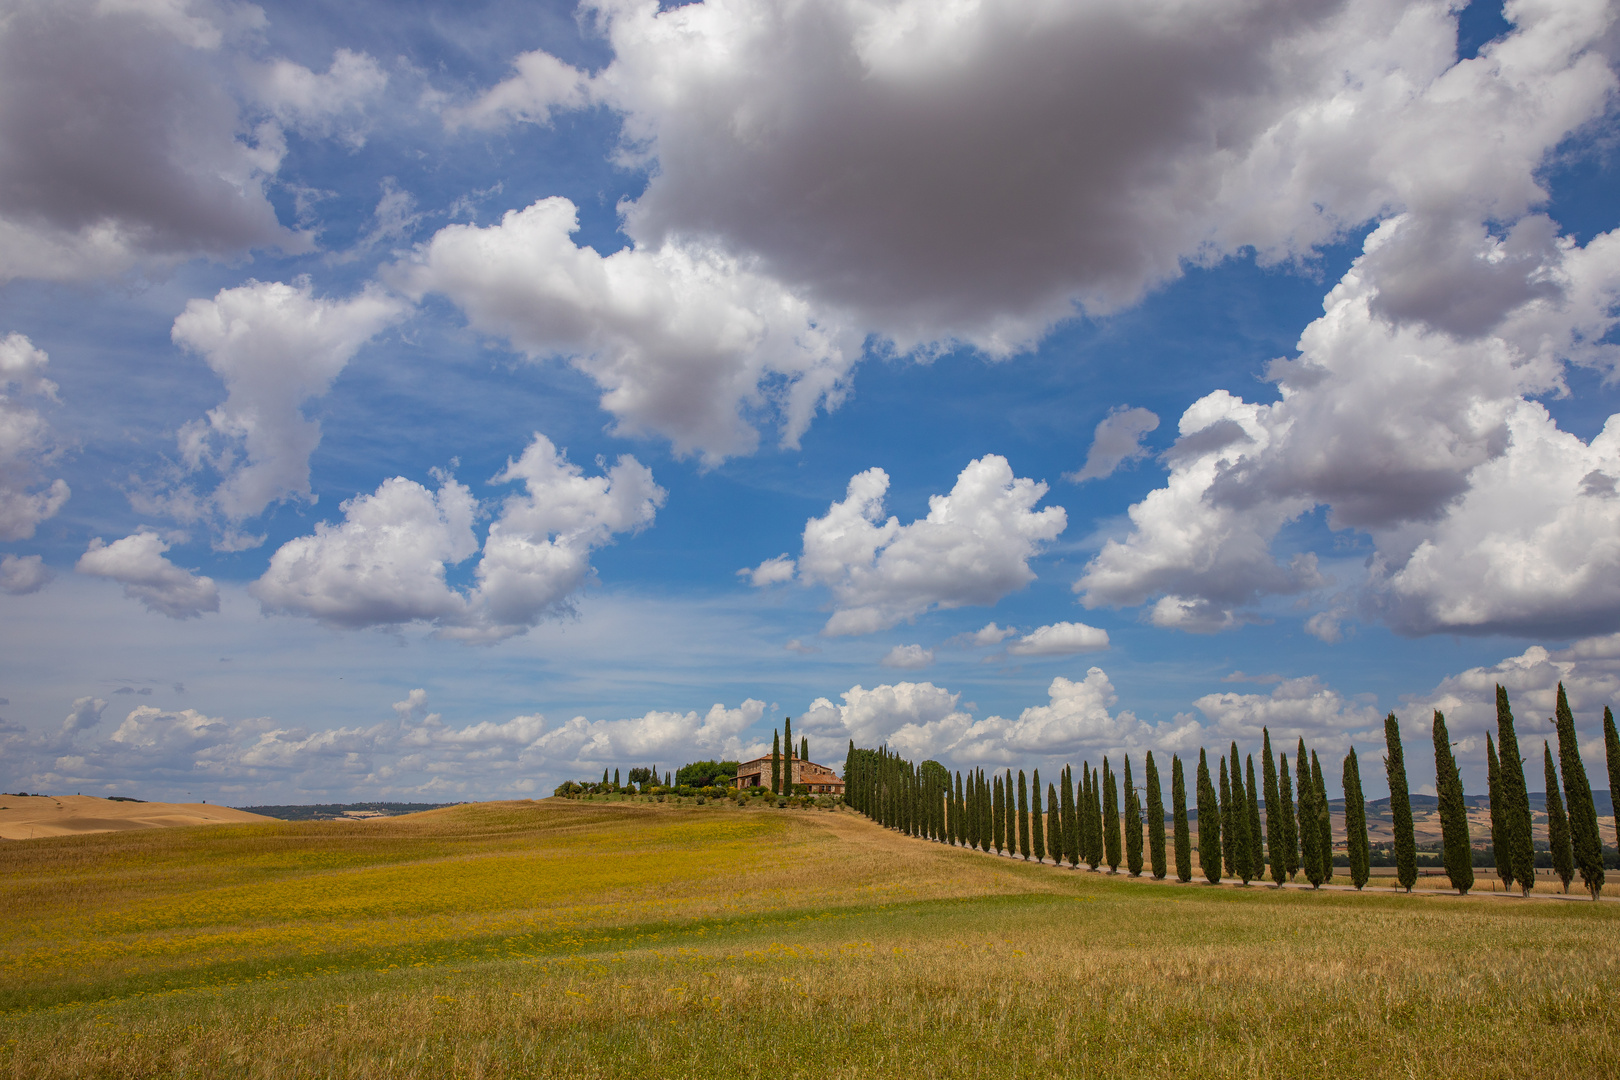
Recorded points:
(1037, 827)
(1178, 811)
(787, 756)
(1563, 855)
(1228, 833)
(1500, 846)
(1133, 825)
(1110, 818)
(1324, 820)
(776, 763)
(1099, 834)
(1583, 822)
(1400, 805)
(1287, 826)
(1274, 834)
(1011, 820)
(1611, 751)
(1209, 823)
(1082, 814)
(997, 815)
(1070, 834)
(1054, 825)
(1098, 850)
(1251, 803)
(1023, 816)
(1459, 851)
(1155, 820)
(1310, 830)
(804, 748)
(987, 815)
(1355, 822)
(1515, 797)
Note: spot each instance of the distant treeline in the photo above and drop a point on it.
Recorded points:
(1087, 821)
(324, 811)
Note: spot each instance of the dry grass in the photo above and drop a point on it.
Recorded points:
(653, 941)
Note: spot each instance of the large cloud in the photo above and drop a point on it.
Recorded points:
(120, 140)
(972, 170)
(973, 547)
(684, 340)
(1486, 517)
(276, 346)
(25, 441)
(386, 562)
(1295, 708)
(137, 562)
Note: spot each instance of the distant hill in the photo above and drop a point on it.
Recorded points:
(331, 811)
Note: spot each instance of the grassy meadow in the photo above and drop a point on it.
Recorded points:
(615, 939)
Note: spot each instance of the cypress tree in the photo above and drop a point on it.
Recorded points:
(1400, 805)
(1228, 833)
(1287, 826)
(1515, 797)
(604, 777)
(787, 755)
(1500, 848)
(1611, 751)
(1099, 839)
(615, 779)
(1355, 822)
(1071, 831)
(997, 815)
(1310, 830)
(1583, 822)
(1274, 838)
(1133, 825)
(776, 763)
(1110, 818)
(1082, 814)
(1251, 803)
(1178, 812)
(1459, 852)
(1098, 851)
(1087, 830)
(804, 748)
(1155, 818)
(1054, 825)
(1023, 816)
(1324, 820)
(1011, 816)
(1563, 855)
(1209, 824)
(1037, 827)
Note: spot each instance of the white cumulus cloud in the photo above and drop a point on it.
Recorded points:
(137, 562)
(1060, 639)
(321, 105)
(23, 574)
(276, 346)
(685, 341)
(973, 547)
(909, 657)
(386, 562)
(25, 440)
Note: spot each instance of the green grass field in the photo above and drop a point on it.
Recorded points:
(590, 939)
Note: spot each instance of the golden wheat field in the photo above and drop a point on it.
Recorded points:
(540, 939)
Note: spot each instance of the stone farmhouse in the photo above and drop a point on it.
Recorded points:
(819, 779)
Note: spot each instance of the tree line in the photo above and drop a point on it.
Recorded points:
(1099, 819)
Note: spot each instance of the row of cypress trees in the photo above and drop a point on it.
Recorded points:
(1084, 823)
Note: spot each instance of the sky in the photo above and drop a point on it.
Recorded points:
(433, 402)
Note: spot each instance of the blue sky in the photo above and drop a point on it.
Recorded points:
(416, 402)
